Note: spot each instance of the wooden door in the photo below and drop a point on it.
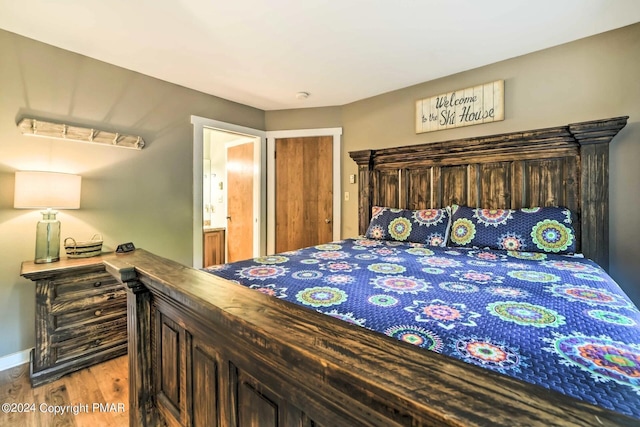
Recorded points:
(240, 173)
(304, 192)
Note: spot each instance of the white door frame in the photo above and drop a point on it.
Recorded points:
(259, 188)
(336, 133)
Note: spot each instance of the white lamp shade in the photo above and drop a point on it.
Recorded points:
(35, 190)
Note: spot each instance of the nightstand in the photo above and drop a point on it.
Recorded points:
(81, 316)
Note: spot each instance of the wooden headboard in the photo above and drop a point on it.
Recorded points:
(560, 166)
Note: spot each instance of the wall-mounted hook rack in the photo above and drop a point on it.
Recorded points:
(36, 127)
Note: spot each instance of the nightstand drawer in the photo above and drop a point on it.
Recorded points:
(80, 284)
(91, 300)
(81, 342)
(110, 310)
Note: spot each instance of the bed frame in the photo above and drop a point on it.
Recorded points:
(204, 351)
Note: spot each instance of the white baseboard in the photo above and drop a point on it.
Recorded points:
(15, 359)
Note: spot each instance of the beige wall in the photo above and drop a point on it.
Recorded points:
(307, 118)
(127, 195)
(588, 79)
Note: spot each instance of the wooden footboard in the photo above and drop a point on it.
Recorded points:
(204, 351)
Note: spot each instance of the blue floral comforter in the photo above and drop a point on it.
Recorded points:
(556, 321)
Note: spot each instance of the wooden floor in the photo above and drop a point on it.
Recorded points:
(99, 395)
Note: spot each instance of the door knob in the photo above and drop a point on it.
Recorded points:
(327, 220)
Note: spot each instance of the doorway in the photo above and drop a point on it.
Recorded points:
(228, 194)
(212, 141)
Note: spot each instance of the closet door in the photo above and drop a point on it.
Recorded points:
(304, 192)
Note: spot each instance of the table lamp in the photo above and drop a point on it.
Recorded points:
(48, 190)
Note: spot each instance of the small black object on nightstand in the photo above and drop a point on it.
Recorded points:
(125, 247)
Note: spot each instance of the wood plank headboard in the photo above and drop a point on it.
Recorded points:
(560, 166)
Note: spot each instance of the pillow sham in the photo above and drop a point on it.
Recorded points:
(427, 226)
(540, 229)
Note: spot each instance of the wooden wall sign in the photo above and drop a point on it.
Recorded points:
(463, 107)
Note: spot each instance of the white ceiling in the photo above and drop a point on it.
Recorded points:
(261, 52)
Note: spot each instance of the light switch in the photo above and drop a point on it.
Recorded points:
(352, 179)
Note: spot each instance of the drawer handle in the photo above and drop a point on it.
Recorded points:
(98, 312)
(97, 284)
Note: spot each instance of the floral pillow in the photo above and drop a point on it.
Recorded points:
(428, 226)
(539, 229)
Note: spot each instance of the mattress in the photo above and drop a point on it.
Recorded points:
(556, 321)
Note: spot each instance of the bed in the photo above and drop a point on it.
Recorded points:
(468, 336)
(552, 320)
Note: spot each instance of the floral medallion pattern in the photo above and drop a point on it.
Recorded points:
(494, 217)
(588, 295)
(462, 231)
(526, 314)
(271, 290)
(273, 259)
(574, 266)
(382, 300)
(534, 276)
(420, 251)
(429, 216)
(327, 254)
(417, 336)
(603, 358)
(482, 277)
(459, 287)
(399, 229)
(262, 272)
(440, 261)
(321, 296)
(387, 268)
(435, 239)
(612, 317)
(536, 256)
(551, 236)
(339, 279)
(339, 266)
(487, 255)
(511, 242)
(508, 292)
(488, 354)
(307, 275)
(400, 284)
(443, 314)
(329, 247)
